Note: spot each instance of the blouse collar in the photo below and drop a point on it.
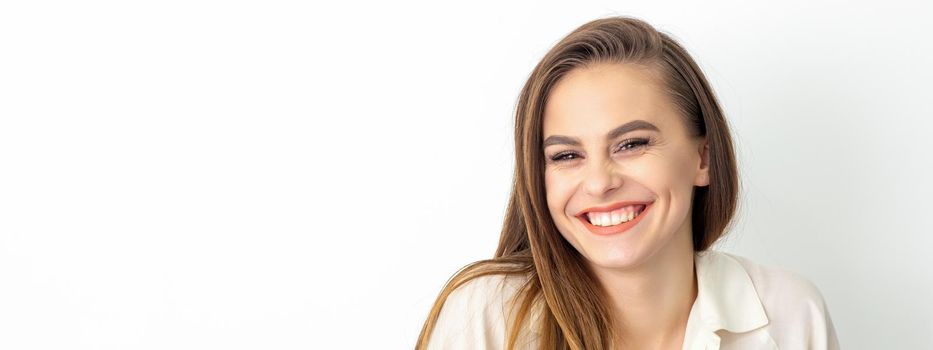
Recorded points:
(726, 297)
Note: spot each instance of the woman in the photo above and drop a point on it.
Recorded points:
(624, 177)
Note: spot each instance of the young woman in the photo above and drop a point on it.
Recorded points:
(624, 177)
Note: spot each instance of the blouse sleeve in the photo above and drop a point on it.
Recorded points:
(472, 317)
(799, 317)
(802, 314)
(822, 332)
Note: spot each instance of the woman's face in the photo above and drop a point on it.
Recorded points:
(594, 161)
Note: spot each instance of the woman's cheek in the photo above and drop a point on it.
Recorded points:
(558, 190)
(552, 191)
(648, 171)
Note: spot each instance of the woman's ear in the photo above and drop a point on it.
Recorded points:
(702, 178)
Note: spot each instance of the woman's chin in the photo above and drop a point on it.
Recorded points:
(617, 261)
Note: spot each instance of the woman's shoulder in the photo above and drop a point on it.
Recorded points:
(794, 304)
(476, 313)
(485, 292)
(776, 284)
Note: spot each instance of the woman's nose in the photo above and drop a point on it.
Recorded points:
(600, 178)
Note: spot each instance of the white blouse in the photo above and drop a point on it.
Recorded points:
(740, 305)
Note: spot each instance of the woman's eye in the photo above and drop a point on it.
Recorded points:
(626, 145)
(560, 157)
(633, 144)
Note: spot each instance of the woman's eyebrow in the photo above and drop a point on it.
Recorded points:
(618, 131)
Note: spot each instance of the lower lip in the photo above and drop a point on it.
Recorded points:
(617, 229)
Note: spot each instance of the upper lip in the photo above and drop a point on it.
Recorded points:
(612, 207)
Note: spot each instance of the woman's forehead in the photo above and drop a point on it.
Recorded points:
(603, 97)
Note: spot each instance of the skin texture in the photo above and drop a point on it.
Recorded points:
(648, 270)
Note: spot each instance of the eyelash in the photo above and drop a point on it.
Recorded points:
(637, 142)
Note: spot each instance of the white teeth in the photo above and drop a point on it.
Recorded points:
(604, 219)
(613, 218)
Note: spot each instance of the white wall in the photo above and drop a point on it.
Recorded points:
(267, 174)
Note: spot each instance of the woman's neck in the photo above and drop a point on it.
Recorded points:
(652, 302)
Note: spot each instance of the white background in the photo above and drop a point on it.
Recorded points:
(279, 175)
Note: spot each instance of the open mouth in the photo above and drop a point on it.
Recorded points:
(616, 217)
(615, 221)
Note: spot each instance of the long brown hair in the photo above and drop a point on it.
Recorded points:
(575, 314)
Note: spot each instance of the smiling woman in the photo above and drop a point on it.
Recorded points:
(625, 176)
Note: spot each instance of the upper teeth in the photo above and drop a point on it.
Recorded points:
(614, 217)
